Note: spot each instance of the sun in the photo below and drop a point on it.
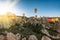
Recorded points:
(3, 8)
(7, 6)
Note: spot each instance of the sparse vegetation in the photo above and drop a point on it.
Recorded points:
(31, 26)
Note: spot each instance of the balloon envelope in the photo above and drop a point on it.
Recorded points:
(35, 10)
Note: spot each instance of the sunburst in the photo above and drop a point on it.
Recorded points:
(7, 6)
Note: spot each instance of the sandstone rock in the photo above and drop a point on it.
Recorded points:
(2, 37)
(24, 38)
(18, 36)
(45, 38)
(33, 37)
(11, 36)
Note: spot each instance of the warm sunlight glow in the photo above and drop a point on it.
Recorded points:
(7, 20)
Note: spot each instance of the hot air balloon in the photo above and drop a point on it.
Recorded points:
(23, 14)
(35, 10)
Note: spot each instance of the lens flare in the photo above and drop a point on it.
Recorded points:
(6, 20)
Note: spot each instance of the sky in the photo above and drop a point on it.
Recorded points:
(44, 7)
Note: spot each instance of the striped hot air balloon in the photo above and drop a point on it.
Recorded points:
(52, 19)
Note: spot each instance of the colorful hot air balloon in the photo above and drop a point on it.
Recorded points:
(52, 20)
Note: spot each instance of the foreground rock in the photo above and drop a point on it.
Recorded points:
(2, 37)
(33, 37)
(11, 36)
(45, 38)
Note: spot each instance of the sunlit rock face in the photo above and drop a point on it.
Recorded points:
(2, 37)
(33, 37)
(11, 36)
(7, 20)
(24, 38)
